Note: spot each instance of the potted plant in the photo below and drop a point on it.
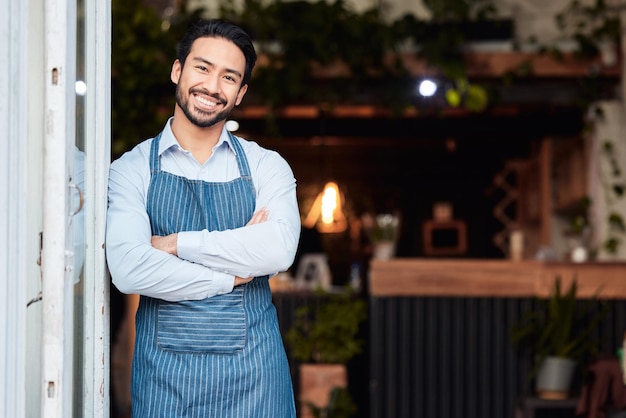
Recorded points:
(561, 335)
(323, 338)
(382, 231)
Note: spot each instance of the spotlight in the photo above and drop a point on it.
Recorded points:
(427, 88)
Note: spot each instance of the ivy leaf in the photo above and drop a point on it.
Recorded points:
(453, 97)
(476, 99)
(616, 222)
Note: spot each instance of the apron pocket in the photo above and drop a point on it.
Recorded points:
(213, 326)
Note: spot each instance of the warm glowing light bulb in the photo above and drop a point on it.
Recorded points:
(329, 203)
(326, 213)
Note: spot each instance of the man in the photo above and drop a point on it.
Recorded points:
(197, 221)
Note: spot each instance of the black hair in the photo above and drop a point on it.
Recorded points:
(218, 28)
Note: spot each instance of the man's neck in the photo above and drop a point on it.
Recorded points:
(199, 141)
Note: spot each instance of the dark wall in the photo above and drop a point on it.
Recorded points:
(406, 165)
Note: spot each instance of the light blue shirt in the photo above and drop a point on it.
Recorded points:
(207, 262)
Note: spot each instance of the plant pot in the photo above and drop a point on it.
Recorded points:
(317, 382)
(555, 378)
(384, 250)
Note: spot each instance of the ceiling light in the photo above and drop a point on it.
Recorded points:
(427, 88)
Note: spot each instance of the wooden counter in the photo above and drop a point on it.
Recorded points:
(492, 278)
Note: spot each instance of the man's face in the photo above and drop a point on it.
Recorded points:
(208, 87)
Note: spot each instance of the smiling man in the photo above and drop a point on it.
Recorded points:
(198, 220)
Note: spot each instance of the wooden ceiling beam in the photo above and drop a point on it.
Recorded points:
(527, 67)
(494, 65)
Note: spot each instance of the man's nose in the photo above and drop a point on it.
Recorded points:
(211, 82)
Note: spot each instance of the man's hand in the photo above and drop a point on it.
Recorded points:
(240, 280)
(166, 243)
(259, 217)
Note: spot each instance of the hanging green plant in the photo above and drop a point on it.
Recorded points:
(297, 36)
(589, 25)
(614, 190)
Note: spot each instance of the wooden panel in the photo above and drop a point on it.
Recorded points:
(492, 278)
(429, 277)
(607, 280)
(570, 174)
(545, 159)
(488, 64)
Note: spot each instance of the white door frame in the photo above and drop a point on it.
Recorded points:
(57, 258)
(97, 344)
(57, 249)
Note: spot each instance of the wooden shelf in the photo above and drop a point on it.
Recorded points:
(482, 66)
(552, 182)
(487, 65)
(492, 278)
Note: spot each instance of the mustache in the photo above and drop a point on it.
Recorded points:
(206, 93)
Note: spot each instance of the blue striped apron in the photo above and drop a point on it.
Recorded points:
(220, 357)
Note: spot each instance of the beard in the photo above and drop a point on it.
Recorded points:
(198, 117)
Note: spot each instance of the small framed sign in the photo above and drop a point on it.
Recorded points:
(444, 238)
(313, 271)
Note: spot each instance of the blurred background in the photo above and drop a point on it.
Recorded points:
(469, 129)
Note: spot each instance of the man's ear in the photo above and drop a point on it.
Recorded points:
(240, 94)
(176, 70)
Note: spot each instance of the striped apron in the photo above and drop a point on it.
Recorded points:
(221, 357)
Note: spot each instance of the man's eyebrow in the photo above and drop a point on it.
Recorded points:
(210, 64)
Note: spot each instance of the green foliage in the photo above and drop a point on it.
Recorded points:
(589, 23)
(562, 325)
(442, 41)
(294, 38)
(614, 190)
(340, 405)
(579, 222)
(327, 333)
(143, 49)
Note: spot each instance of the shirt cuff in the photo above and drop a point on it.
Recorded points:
(187, 245)
(221, 284)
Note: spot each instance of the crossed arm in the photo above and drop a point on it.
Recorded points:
(197, 264)
(169, 244)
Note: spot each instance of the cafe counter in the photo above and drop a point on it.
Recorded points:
(439, 331)
(493, 278)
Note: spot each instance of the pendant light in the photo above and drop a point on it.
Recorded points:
(326, 214)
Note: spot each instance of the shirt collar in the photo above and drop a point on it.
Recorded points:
(168, 139)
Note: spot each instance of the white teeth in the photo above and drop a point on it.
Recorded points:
(205, 101)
